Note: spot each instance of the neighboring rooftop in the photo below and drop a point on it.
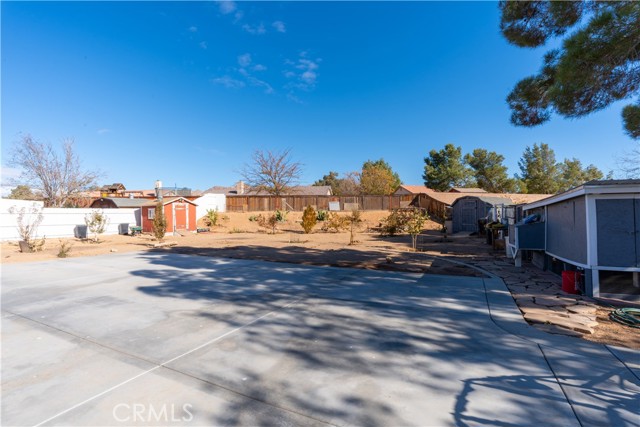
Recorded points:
(113, 188)
(415, 189)
(118, 202)
(466, 190)
(449, 198)
(490, 199)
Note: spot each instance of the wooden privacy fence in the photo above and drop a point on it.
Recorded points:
(299, 203)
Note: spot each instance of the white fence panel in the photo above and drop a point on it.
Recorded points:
(210, 201)
(60, 222)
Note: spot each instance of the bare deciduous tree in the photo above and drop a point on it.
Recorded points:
(629, 163)
(349, 185)
(273, 172)
(59, 177)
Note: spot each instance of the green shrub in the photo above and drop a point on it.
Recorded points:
(322, 215)
(394, 224)
(281, 216)
(211, 219)
(309, 219)
(405, 221)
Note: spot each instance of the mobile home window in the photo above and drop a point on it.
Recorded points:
(151, 213)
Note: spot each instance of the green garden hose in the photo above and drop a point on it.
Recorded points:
(626, 316)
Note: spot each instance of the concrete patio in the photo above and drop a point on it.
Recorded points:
(158, 338)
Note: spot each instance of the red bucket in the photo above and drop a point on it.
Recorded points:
(570, 281)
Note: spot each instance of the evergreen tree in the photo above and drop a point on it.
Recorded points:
(445, 169)
(572, 174)
(489, 172)
(539, 171)
(596, 65)
(331, 180)
(23, 192)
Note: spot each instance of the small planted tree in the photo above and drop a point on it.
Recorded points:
(415, 220)
(405, 221)
(28, 221)
(334, 223)
(64, 248)
(96, 223)
(269, 222)
(159, 225)
(309, 219)
(353, 222)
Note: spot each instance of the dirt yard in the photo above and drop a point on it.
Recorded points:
(238, 237)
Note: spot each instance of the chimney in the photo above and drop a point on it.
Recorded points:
(158, 190)
(240, 187)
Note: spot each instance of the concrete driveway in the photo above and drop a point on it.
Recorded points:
(165, 339)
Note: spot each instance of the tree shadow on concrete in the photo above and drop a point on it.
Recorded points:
(356, 347)
(599, 405)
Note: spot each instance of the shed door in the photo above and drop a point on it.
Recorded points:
(469, 215)
(181, 216)
(617, 235)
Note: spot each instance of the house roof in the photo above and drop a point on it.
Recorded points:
(311, 190)
(517, 199)
(113, 187)
(520, 199)
(416, 189)
(467, 190)
(168, 200)
(141, 193)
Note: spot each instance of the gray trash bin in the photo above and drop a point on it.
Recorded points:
(80, 231)
(123, 228)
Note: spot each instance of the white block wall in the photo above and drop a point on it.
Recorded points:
(60, 222)
(210, 201)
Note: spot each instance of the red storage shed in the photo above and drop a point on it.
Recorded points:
(179, 212)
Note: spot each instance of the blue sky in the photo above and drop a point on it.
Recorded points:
(185, 92)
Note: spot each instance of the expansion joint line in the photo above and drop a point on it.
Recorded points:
(161, 365)
(622, 362)
(573, 409)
